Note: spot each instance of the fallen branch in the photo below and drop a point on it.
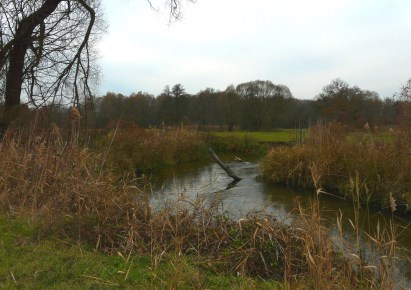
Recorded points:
(223, 165)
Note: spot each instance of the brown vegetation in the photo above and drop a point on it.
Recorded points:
(375, 165)
(133, 149)
(67, 190)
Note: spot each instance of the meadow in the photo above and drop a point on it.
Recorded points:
(278, 136)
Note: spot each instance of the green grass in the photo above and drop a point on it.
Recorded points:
(375, 137)
(280, 136)
(29, 262)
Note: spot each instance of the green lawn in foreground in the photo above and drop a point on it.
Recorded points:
(284, 135)
(27, 263)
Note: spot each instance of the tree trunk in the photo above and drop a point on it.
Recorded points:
(14, 80)
(14, 76)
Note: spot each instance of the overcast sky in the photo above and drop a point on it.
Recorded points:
(299, 43)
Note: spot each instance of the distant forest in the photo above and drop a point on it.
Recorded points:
(255, 105)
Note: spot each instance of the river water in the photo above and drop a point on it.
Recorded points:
(210, 182)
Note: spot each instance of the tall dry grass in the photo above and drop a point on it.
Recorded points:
(366, 168)
(381, 164)
(134, 148)
(65, 188)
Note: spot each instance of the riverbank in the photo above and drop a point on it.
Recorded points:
(143, 151)
(373, 168)
(70, 194)
(31, 260)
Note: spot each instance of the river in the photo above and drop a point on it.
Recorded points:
(210, 182)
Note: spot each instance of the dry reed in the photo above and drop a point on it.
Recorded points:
(380, 162)
(62, 187)
(151, 149)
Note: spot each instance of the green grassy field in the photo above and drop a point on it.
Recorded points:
(30, 262)
(283, 135)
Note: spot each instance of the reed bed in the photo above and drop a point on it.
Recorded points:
(71, 192)
(378, 166)
(146, 150)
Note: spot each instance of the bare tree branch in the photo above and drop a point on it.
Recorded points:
(46, 49)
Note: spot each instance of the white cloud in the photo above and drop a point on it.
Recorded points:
(302, 44)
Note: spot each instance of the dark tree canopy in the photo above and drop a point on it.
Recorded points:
(260, 101)
(349, 105)
(255, 105)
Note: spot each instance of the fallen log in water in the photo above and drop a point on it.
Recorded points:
(223, 165)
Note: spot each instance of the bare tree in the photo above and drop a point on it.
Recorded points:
(47, 50)
(405, 93)
(404, 110)
(257, 97)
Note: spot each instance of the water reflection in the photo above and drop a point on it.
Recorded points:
(210, 182)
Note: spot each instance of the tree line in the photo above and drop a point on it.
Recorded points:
(47, 58)
(254, 105)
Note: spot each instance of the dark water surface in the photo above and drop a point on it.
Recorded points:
(210, 182)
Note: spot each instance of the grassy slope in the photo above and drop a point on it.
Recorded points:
(284, 135)
(29, 263)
